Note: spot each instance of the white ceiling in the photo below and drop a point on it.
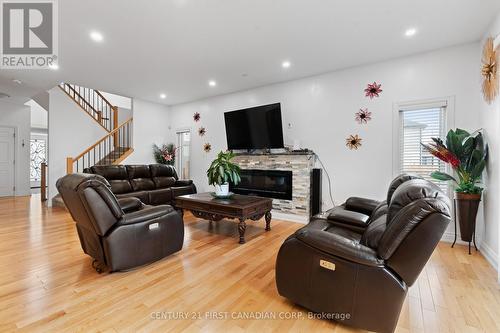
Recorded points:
(176, 46)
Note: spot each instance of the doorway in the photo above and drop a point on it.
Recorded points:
(183, 144)
(7, 161)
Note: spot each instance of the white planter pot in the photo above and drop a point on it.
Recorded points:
(222, 190)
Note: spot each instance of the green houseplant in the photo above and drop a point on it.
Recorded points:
(467, 154)
(222, 171)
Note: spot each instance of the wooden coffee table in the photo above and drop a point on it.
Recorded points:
(241, 207)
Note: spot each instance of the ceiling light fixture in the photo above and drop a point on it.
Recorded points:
(286, 64)
(410, 32)
(212, 83)
(96, 36)
(163, 96)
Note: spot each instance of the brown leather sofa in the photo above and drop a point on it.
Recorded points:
(155, 184)
(119, 233)
(361, 278)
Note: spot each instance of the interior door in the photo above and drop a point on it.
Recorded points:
(7, 146)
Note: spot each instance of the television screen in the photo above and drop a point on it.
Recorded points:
(254, 128)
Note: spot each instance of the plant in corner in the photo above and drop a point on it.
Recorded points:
(222, 171)
(164, 154)
(467, 154)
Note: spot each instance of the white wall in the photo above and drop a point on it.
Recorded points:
(490, 121)
(71, 131)
(151, 125)
(19, 117)
(321, 111)
(117, 100)
(39, 116)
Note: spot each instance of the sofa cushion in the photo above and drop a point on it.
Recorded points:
(116, 175)
(164, 182)
(138, 171)
(163, 170)
(142, 184)
(141, 195)
(183, 190)
(161, 196)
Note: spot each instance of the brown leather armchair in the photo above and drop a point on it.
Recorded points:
(119, 234)
(363, 277)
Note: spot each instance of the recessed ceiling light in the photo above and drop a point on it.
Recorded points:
(16, 81)
(212, 83)
(96, 36)
(163, 96)
(410, 32)
(286, 64)
(54, 67)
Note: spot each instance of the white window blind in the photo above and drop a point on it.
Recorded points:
(419, 125)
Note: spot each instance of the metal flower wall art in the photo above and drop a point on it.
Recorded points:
(373, 90)
(353, 142)
(207, 147)
(489, 71)
(201, 131)
(363, 116)
(196, 116)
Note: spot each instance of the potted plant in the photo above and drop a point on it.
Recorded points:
(467, 154)
(222, 171)
(165, 154)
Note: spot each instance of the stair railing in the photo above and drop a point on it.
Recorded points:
(113, 148)
(94, 103)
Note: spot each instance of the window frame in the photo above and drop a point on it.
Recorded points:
(398, 107)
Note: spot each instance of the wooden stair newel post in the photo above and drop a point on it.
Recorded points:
(69, 165)
(116, 136)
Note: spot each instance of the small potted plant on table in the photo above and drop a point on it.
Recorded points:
(221, 172)
(466, 153)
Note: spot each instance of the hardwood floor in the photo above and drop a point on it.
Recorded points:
(47, 284)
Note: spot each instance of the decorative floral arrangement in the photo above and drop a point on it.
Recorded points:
(353, 142)
(207, 147)
(201, 131)
(165, 154)
(363, 116)
(373, 90)
(466, 153)
(196, 116)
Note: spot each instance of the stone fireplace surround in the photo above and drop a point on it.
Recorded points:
(301, 165)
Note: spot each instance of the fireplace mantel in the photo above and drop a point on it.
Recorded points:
(301, 165)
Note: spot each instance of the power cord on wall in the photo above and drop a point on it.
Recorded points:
(328, 177)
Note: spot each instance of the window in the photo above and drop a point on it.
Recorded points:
(418, 124)
(182, 163)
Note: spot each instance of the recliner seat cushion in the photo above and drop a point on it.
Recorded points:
(141, 195)
(163, 175)
(161, 196)
(177, 191)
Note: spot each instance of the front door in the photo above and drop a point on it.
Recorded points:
(7, 146)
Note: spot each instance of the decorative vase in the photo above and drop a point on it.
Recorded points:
(467, 206)
(222, 190)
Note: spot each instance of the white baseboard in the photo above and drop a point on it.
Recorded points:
(487, 252)
(290, 217)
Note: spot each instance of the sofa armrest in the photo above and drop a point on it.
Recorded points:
(361, 205)
(145, 214)
(339, 246)
(130, 204)
(346, 217)
(183, 182)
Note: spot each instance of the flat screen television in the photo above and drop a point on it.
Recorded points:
(254, 128)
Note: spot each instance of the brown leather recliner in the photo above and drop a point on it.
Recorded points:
(362, 278)
(357, 213)
(119, 234)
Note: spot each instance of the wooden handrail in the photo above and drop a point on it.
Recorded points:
(83, 99)
(104, 98)
(100, 140)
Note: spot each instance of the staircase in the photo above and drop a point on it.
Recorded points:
(94, 104)
(115, 146)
